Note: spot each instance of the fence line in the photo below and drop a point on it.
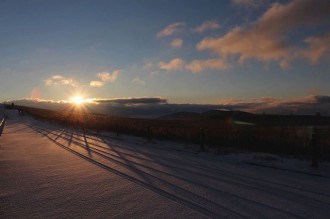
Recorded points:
(2, 123)
(287, 139)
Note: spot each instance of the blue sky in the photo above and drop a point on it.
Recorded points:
(184, 51)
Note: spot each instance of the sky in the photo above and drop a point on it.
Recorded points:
(184, 51)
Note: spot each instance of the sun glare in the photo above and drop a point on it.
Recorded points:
(77, 100)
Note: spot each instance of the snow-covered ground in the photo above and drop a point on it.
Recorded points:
(49, 171)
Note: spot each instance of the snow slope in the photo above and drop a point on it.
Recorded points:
(49, 171)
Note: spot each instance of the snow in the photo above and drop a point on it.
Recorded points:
(49, 171)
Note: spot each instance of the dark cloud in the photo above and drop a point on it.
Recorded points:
(322, 99)
(142, 100)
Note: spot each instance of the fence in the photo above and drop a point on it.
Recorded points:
(301, 141)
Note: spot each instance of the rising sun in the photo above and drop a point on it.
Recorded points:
(77, 100)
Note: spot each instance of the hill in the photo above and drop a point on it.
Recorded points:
(258, 119)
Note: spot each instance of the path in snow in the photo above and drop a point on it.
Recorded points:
(49, 171)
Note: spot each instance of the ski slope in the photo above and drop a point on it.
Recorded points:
(48, 171)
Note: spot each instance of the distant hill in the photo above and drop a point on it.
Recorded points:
(181, 115)
(211, 114)
(240, 117)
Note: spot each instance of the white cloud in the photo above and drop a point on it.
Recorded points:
(174, 64)
(96, 83)
(176, 43)
(109, 76)
(60, 80)
(197, 66)
(105, 77)
(138, 80)
(194, 66)
(57, 77)
(207, 25)
(171, 29)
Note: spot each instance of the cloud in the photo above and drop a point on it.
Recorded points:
(140, 100)
(322, 99)
(53, 80)
(176, 43)
(105, 77)
(248, 105)
(174, 64)
(57, 77)
(96, 84)
(247, 43)
(171, 29)
(195, 66)
(249, 3)
(266, 38)
(60, 80)
(207, 25)
(318, 46)
(108, 76)
(200, 65)
(138, 80)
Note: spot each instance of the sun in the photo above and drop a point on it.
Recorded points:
(78, 100)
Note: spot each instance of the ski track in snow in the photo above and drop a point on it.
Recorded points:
(207, 185)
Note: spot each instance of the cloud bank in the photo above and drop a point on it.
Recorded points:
(141, 100)
(266, 38)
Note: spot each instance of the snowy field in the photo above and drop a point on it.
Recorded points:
(49, 171)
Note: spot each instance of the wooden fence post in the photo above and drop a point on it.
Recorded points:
(2, 125)
(315, 149)
(149, 133)
(117, 130)
(202, 139)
